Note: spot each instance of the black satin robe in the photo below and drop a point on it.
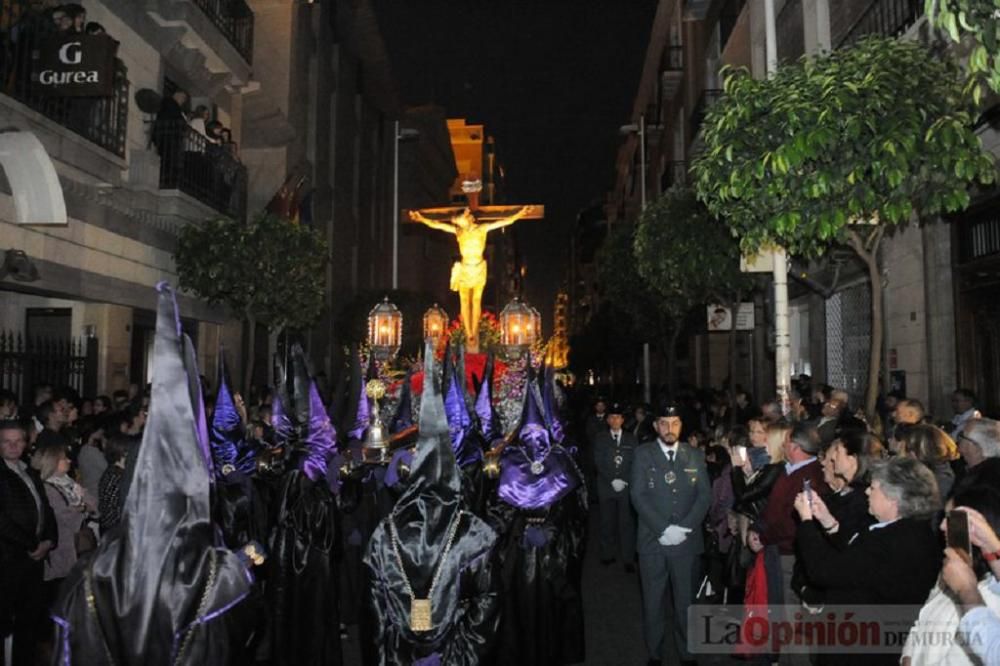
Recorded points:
(542, 622)
(470, 608)
(302, 585)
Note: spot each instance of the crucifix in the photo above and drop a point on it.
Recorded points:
(470, 225)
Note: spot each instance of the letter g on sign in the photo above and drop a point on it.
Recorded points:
(71, 53)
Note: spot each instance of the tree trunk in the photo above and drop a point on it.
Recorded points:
(867, 251)
(251, 357)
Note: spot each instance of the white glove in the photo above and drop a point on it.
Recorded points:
(673, 535)
(618, 485)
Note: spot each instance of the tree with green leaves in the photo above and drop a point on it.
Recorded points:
(979, 20)
(841, 149)
(267, 271)
(629, 295)
(689, 260)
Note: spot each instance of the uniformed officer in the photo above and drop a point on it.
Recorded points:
(671, 494)
(613, 452)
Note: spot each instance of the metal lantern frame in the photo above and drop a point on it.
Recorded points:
(385, 329)
(435, 322)
(518, 328)
(536, 323)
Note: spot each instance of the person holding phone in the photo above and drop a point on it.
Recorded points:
(968, 587)
(894, 562)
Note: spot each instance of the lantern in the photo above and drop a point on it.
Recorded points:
(385, 329)
(518, 329)
(435, 322)
(536, 324)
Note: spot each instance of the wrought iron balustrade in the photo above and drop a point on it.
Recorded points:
(234, 19)
(207, 170)
(101, 120)
(888, 18)
(60, 362)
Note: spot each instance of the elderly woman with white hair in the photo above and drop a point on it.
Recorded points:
(979, 440)
(894, 562)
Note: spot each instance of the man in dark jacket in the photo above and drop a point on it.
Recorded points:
(27, 534)
(671, 493)
(613, 452)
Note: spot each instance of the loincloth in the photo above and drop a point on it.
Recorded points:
(464, 276)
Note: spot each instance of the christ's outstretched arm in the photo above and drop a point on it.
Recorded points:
(417, 216)
(507, 221)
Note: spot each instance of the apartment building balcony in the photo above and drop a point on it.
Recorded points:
(888, 18)
(707, 99)
(671, 71)
(203, 169)
(100, 119)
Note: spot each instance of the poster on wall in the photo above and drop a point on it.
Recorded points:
(720, 318)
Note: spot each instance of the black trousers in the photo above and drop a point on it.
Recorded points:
(22, 602)
(617, 527)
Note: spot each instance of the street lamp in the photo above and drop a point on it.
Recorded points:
(399, 134)
(641, 130)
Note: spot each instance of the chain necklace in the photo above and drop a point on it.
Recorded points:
(420, 609)
(536, 466)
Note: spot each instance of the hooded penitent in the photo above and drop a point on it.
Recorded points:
(465, 445)
(159, 590)
(227, 435)
(542, 513)
(429, 536)
(535, 472)
(486, 415)
(302, 585)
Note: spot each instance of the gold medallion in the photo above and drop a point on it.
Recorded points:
(420, 615)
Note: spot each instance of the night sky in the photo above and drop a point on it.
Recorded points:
(552, 81)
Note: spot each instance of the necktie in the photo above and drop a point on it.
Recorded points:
(617, 439)
(670, 456)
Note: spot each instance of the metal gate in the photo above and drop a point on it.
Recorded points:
(848, 340)
(60, 362)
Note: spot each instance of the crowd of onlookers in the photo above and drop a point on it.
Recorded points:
(816, 507)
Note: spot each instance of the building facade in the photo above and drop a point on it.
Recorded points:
(287, 93)
(940, 330)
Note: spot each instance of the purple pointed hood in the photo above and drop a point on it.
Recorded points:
(227, 434)
(319, 437)
(467, 450)
(489, 422)
(359, 416)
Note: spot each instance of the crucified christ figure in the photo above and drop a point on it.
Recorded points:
(468, 276)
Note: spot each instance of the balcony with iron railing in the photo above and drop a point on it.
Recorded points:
(207, 170)
(235, 21)
(101, 120)
(888, 18)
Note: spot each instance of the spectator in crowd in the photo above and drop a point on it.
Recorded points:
(61, 20)
(754, 476)
(71, 505)
(109, 499)
(168, 137)
(102, 405)
(909, 411)
(27, 534)
(831, 414)
(894, 562)
(770, 412)
(719, 539)
(119, 399)
(52, 417)
(963, 404)
(979, 440)
(642, 426)
(745, 409)
(934, 448)
(95, 28)
(77, 16)
(802, 468)
(980, 500)
(8, 405)
(91, 461)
